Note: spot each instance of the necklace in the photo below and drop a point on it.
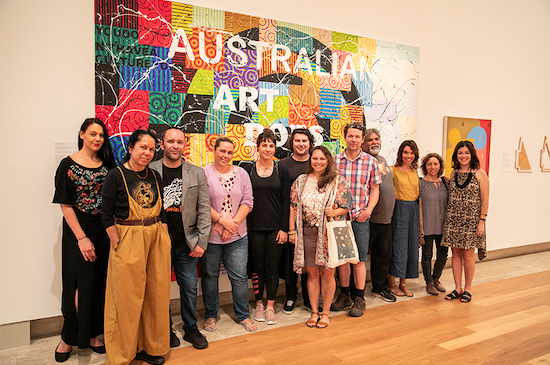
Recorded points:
(264, 171)
(142, 178)
(466, 183)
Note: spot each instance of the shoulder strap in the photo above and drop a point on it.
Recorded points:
(123, 179)
(444, 179)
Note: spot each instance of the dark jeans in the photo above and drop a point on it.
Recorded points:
(185, 268)
(286, 272)
(265, 253)
(380, 255)
(235, 257)
(292, 288)
(427, 253)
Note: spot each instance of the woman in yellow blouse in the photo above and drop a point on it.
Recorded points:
(404, 263)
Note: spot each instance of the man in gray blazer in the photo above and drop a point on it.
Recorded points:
(187, 205)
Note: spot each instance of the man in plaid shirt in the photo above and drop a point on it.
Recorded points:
(361, 171)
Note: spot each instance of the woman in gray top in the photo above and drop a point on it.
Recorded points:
(433, 204)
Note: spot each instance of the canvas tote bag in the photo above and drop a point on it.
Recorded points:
(342, 248)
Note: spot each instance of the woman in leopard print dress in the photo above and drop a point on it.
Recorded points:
(464, 228)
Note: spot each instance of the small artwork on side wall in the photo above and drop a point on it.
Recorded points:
(522, 160)
(477, 131)
(545, 155)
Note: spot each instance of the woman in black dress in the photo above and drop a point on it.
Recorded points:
(85, 244)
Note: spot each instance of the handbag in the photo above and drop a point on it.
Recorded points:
(341, 246)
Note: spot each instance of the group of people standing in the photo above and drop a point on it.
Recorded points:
(125, 226)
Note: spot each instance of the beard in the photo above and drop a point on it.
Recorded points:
(374, 150)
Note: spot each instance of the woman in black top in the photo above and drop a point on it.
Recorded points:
(267, 223)
(138, 279)
(85, 244)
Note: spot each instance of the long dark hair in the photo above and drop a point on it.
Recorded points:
(408, 143)
(135, 137)
(330, 172)
(474, 162)
(105, 153)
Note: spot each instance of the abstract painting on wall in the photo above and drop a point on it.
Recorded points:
(477, 131)
(210, 72)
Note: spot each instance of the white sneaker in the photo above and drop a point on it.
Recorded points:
(270, 317)
(259, 315)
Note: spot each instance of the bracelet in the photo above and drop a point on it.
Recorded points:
(482, 219)
(219, 217)
(80, 239)
(292, 233)
(485, 214)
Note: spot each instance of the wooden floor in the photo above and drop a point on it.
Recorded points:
(507, 322)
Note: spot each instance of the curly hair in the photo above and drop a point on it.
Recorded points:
(425, 161)
(330, 172)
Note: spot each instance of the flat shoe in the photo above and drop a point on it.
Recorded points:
(466, 297)
(62, 356)
(312, 322)
(452, 295)
(210, 326)
(98, 349)
(406, 291)
(396, 291)
(323, 324)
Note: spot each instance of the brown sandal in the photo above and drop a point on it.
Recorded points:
(323, 324)
(312, 323)
(406, 291)
(396, 291)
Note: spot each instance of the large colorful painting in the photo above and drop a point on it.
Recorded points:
(477, 131)
(212, 72)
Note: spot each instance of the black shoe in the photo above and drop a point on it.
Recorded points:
(288, 308)
(62, 356)
(98, 349)
(174, 340)
(150, 359)
(196, 338)
(384, 294)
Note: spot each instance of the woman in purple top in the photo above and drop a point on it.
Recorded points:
(231, 200)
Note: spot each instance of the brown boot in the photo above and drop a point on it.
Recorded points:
(430, 288)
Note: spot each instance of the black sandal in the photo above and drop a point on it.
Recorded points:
(452, 295)
(466, 297)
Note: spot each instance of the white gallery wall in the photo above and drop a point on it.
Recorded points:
(478, 59)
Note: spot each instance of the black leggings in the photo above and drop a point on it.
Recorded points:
(265, 253)
(427, 253)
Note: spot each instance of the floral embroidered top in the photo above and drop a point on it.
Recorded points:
(309, 204)
(79, 186)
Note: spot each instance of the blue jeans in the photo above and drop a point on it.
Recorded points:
(361, 231)
(235, 259)
(185, 268)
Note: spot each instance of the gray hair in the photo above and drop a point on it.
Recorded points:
(372, 130)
